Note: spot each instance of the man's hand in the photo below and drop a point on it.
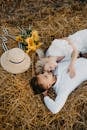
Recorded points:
(71, 71)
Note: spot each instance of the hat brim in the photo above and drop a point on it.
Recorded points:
(15, 68)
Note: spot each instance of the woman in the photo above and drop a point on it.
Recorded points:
(66, 49)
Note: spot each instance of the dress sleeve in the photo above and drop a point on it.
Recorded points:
(55, 105)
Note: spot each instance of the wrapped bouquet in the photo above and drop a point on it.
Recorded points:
(29, 40)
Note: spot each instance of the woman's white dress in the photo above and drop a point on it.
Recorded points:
(60, 47)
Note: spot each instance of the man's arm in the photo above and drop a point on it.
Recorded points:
(55, 106)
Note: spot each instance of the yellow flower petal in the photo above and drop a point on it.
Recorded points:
(18, 38)
(35, 35)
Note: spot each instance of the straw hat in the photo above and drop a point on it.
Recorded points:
(15, 61)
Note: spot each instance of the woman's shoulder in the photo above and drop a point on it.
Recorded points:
(59, 41)
(59, 47)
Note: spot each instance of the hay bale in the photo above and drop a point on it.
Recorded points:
(19, 108)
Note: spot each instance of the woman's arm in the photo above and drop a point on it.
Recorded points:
(74, 56)
(55, 106)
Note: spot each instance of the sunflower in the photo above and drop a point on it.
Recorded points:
(29, 40)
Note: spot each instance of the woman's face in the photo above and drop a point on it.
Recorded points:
(50, 66)
(46, 80)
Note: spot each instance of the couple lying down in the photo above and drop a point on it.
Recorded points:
(63, 71)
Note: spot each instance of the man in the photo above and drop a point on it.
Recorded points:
(62, 84)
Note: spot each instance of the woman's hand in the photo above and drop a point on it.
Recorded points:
(71, 71)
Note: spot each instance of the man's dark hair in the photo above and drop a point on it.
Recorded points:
(35, 86)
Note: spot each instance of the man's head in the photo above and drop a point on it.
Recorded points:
(42, 82)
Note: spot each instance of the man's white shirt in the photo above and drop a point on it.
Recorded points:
(65, 85)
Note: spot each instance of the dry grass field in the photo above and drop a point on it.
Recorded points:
(20, 109)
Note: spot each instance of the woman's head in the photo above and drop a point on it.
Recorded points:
(50, 66)
(47, 63)
(42, 82)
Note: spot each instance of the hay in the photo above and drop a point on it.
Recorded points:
(19, 108)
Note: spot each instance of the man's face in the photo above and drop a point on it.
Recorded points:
(45, 80)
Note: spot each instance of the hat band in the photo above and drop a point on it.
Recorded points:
(16, 62)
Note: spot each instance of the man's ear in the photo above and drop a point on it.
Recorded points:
(49, 85)
(59, 58)
(45, 93)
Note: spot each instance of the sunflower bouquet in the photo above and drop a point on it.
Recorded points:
(29, 40)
